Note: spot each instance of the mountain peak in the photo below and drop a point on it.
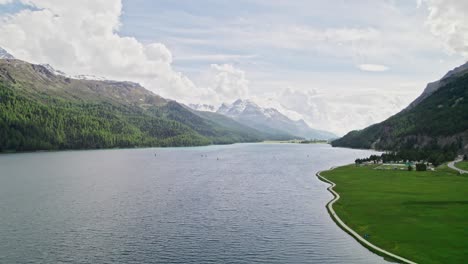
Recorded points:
(434, 86)
(5, 55)
(52, 70)
(238, 101)
(270, 120)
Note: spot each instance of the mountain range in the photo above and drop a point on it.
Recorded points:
(42, 108)
(436, 122)
(270, 120)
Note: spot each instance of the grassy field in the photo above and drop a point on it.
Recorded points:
(462, 165)
(421, 216)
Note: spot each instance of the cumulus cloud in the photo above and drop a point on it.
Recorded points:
(448, 21)
(81, 37)
(373, 67)
(228, 82)
(341, 112)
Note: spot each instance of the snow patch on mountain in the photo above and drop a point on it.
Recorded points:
(269, 119)
(5, 55)
(203, 107)
(78, 77)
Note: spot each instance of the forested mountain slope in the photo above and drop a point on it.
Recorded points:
(437, 123)
(40, 111)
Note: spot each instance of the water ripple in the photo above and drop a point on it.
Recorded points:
(259, 203)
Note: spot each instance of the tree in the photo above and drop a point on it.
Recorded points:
(421, 167)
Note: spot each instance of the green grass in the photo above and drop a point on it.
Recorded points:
(421, 216)
(462, 165)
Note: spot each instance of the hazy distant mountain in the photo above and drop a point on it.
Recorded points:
(436, 121)
(5, 55)
(270, 120)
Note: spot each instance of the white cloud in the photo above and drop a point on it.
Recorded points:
(342, 111)
(373, 67)
(81, 37)
(304, 51)
(448, 21)
(419, 3)
(228, 82)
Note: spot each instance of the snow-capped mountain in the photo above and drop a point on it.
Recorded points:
(89, 77)
(203, 107)
(54, 71)
(78, 77)
(5, 55)
(270, 120)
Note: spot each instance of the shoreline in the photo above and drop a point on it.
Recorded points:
(373, 248)
(131, 148)
(118, 148)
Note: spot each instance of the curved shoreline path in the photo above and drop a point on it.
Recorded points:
(346, 228)
(452, 166)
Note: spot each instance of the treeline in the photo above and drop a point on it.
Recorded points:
(436, 155)
(28, 124)
(372, 158)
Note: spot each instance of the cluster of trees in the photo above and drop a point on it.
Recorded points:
(373, 158)
(436, 156)
(28, 124)
(421, 167)
(433, 153)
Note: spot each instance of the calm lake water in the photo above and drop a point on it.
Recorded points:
(243, 203)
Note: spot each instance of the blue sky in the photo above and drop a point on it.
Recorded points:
(339, 64)
(194, 30)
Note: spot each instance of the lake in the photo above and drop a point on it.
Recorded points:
(242, 203)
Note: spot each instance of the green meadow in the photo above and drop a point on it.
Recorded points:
(421, 216)
(462, 165)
